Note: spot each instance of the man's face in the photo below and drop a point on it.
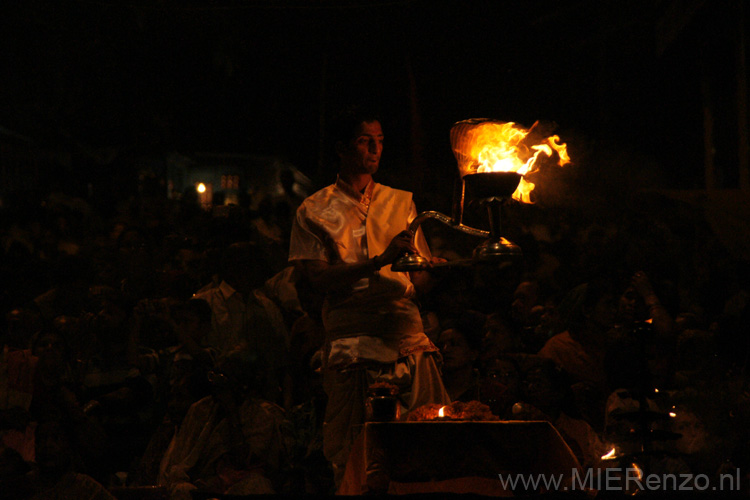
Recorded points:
(362, 154)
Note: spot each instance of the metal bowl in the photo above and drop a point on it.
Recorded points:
(491, 184)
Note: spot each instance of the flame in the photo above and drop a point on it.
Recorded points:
(638, 471)
(441, 412)
(201, 188)
(503, 147)
(610, 455)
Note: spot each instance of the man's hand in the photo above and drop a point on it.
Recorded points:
(402, 242)
(325, 276)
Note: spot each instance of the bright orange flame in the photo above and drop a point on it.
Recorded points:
(441, 412)
(502, 147)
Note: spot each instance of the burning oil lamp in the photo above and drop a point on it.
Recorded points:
(493, 158)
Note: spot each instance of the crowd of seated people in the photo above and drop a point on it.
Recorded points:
(647, 367)
(146, 348)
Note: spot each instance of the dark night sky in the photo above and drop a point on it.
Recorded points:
(253, 76)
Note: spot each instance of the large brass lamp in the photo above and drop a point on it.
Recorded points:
(492, 188)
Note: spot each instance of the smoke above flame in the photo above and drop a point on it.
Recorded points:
(492, 146)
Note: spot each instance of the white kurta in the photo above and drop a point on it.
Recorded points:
(375, 319)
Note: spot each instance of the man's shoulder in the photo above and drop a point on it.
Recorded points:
(563, 337)
(320, 193)
(377, 187)
(319, 198)
(382, 188)
(209, 293)
(559, 342)
(392, 196)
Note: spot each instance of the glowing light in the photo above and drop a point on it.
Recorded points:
(610, 455)
(656, 390)
(672, 414)
(441, 412)
(201, 188)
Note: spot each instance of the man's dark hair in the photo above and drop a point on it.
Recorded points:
(241, 256)
(470, 324)
(199, 307)
(344, 125)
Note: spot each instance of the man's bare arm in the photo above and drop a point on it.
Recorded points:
(325, 276)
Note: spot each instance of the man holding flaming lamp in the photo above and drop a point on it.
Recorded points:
(344, 239)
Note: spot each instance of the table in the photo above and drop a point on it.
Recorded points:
(453, 457)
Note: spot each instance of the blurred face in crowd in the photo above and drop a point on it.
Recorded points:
(631, 307)
(51, 447)
(549, 318)
(539, 388)
(498, 338)
(626, 309)
(456, 351)
(244, 267)
(604, 313)
(109, 326)
(192, 262)
(524, 299)
(110, 316)
(694, 436)
(190, 323)
(19, 327)
(225, 389)
(130, 241)
(361, 155)
(505, 372)
(51, 352)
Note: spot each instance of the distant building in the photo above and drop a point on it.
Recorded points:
(226, 179)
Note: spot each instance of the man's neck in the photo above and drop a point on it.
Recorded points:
(358, 181)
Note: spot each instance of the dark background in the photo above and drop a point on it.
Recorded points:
(620, 80)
